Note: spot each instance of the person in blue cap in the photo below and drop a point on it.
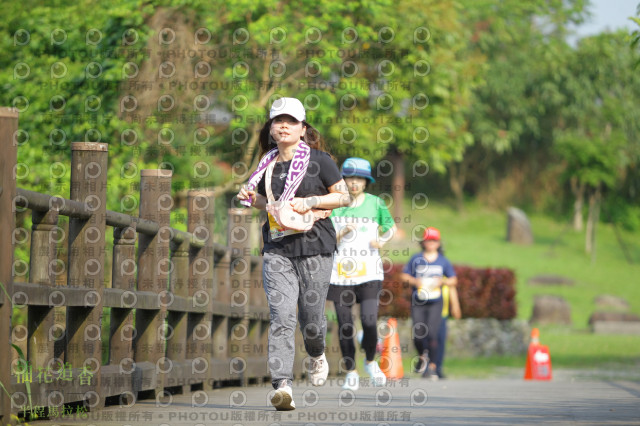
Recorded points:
(362, 228)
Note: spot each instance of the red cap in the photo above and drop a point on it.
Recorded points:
(431, 233)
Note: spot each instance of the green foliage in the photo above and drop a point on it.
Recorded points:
(598, 137)
(523, 43)
(617, 210)
(65, 79)
(373, 76)
(540, 96)
(516, 105)
(592, 160)
(635, 35)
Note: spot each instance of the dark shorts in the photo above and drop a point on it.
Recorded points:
(350, 294)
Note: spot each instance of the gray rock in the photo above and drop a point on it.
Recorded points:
(550, 280)
(613, 317)
(518, 227)
(609, 302)
(472, 337)
(616, 327)
(614, 323)
(548, 309)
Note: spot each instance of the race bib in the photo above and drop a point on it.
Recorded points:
(429, 288)
(276, 231)
(348, 268)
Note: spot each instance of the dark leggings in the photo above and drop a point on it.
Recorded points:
(367, 295)
(442, 340)
(426, 317)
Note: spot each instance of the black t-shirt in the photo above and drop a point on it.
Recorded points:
(321, 239)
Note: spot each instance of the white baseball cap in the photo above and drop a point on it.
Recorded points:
(289, 106)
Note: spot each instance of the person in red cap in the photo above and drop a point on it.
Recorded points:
(427, 272)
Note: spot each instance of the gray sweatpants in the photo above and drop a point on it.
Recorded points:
(290, 283)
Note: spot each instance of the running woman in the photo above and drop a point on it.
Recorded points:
(297, 265)
(427, 272)
(362, 227)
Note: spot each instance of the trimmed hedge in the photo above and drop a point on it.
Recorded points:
(395, 300)
(486, 292)
(483, 293)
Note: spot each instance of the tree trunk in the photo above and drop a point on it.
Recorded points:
(397, 184)
(578, 192)
(587, 241)
(592, 221)
(457, 178)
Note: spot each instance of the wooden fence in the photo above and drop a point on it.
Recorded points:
(185, 313)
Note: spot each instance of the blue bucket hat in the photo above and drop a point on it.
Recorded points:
(359, 167)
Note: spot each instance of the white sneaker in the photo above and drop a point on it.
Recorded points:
(352, 381)
(377, 376)
(318, 370)
(282, 399)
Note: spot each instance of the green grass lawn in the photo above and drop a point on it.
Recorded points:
(476, 237)
(569, 350)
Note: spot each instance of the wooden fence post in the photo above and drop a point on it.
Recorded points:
(220, 321)
(201, 223)
(259, 297)
(8, 160)
(40, 319)
(123, 276)
(177, 321)
(86, 262)
(256, 364)
(259, 300)
(240, 270)
(153, 269)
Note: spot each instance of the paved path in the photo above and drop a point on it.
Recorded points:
(409, 402)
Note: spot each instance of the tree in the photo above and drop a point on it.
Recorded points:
(65, 81)
(523, 43)
(592, 161)
(377, 78)
(598, 136)
(187, 85)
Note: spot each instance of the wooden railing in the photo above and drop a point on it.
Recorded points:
(185, 313)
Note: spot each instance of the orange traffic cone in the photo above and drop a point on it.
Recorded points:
(538, 365)
(391, 358)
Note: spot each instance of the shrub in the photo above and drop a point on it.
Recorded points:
(483, 293)
(486, 292)
(396, 300)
